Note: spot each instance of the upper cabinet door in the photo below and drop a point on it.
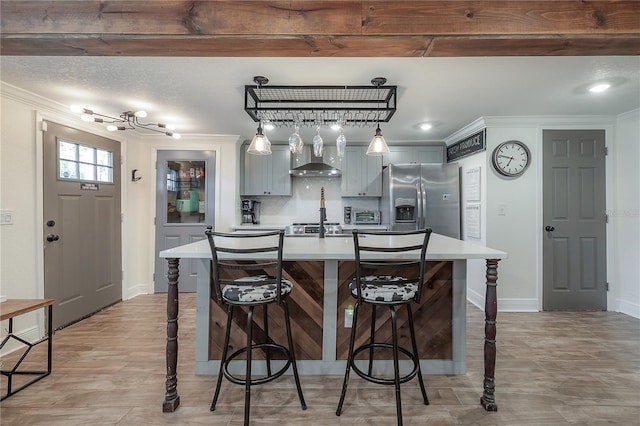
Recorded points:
(280, 164)
(415, 154)
(267, 174)
(361, 174)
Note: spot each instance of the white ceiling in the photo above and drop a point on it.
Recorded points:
(206, 95)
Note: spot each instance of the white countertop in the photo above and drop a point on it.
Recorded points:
(313, 248)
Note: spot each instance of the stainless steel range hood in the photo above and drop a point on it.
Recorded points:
(308, 165)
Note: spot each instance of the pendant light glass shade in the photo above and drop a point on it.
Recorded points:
(378, 145)
(260, 144)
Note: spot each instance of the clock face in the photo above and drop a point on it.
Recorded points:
(511, 158)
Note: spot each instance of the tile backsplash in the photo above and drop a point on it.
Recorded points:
(304, 205)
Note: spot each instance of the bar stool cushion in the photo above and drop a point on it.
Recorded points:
(400, 291)
(249, 289)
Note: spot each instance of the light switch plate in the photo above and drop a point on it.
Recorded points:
(502, 209)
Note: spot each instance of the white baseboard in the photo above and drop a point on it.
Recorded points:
(31, 334)
(629, 308)
(504, 304)
(134, 291)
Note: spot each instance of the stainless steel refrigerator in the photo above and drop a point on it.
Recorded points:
(416, 196)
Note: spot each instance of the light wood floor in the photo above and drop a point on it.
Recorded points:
(552, 369)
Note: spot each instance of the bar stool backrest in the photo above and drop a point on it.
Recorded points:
(248, 254)
(387, 250)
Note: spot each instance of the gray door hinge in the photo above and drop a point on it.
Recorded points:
(606, 150)
(607, 286)
(606, 218)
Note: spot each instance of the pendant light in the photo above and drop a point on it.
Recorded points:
(260, 144)
(378, 146)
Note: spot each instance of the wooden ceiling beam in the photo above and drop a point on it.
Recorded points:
(298, 28)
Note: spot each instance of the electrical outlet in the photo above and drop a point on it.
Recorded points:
(348, 316)
(6, 217)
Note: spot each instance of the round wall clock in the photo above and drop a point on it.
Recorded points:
(511, 158)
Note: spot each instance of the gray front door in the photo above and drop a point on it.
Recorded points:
(82, 222)
(574, 220)
(184, 208)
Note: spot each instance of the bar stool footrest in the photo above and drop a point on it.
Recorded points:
(380, 380)
(260, 380)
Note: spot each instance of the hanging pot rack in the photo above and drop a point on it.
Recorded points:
(286, 106)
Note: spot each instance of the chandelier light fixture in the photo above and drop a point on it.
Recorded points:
(378, 146)
(127, 120)
(260, 144)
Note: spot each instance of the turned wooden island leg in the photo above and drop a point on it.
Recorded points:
(488, 400)
(171, 397)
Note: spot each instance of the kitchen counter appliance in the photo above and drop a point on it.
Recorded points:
(416, 196)
(312, 229)
(365, 217)
(251, 212)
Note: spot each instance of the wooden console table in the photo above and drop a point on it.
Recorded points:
(10, 309)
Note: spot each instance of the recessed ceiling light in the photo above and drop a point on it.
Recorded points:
(425, 126)
(600, 87)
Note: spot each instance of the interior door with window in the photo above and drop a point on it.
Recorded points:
(184, 208)
(82, 222)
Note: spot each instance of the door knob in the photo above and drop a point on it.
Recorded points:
(549, 228)
(52, 237)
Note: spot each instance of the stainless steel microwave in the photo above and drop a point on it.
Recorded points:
(365, 217)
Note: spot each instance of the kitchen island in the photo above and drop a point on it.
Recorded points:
(320, 270)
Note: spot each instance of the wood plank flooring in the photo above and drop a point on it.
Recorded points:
(553, 368)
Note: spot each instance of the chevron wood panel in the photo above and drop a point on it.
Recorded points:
(432, 316)
(305, 308)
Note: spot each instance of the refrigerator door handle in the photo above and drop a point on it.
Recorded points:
(423, 199)
(419, 217)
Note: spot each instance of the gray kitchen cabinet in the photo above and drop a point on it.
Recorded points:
(361, 173)
(415, 154)
(267, 174)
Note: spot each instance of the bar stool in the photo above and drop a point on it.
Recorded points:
(249, 284)
(375, 252)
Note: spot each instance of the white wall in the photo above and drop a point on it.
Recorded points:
(517, 232)
(624, 216)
